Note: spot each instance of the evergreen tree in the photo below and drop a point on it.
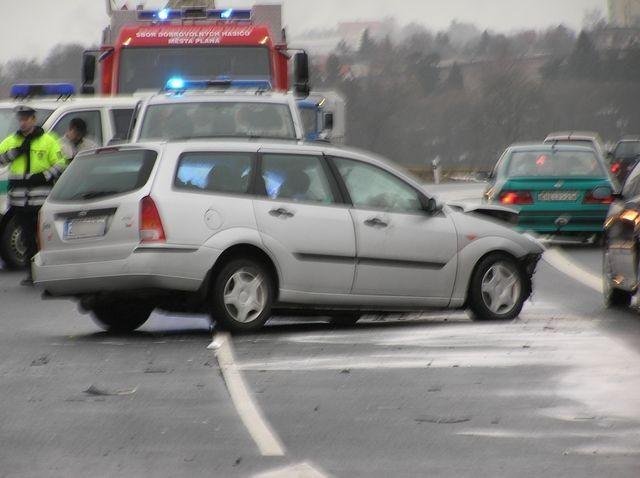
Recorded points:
(332, 70)
(455, 80)
(367, 46)
(483, 44)
(584, 61)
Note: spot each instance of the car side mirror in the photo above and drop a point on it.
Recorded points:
(431, 205)
(301, 74)
(88, 72)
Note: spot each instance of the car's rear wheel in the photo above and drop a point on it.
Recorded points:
(344, 319)
(12, 247)
(242, 295)
(498, 288)
(120, 317)
(613, 297)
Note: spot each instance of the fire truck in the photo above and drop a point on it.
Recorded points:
(143, 49)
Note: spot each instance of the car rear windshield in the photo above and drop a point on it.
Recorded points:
(627, 149)
(557, 163)
(103, 174)
(218, 119)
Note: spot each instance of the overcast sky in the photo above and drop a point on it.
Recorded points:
(31, 27)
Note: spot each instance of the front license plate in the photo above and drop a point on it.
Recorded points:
(557, 195)
(85, 228)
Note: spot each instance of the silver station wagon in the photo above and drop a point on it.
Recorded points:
(244, 229)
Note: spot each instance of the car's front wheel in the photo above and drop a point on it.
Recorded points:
(120, 317)
(242, 296)
(613, 297)
(498, 288)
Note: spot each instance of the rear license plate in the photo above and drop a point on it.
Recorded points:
(85, 228)
(557, 195)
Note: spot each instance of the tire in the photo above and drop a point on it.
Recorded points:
(12, 248)
(344, 320)
(491, 297)
(122, 317)
(242, 295)
(613, 297)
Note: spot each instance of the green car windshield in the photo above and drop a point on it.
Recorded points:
(554, 164)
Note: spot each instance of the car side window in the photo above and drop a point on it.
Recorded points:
(121, 122)
(373, 188)
(215, 172)
(91, 117)
(296, 177)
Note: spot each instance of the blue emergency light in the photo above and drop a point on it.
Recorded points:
(175, 84)
(167, 14)
(180, 84)
(26, 90)
(229, 14)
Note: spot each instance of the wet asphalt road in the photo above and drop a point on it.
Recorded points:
(554, 393)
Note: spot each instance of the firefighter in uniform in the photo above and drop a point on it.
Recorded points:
(35, 162)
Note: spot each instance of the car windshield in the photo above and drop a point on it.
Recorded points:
(217, 119)
(9, 123)
(151, 68)
(104, 174)
(557, 163)
(627, 149)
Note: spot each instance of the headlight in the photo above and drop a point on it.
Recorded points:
(630, 215)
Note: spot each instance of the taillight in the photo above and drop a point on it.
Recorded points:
(516, 197)
(151, 229)
(595, 197)
(615, 168)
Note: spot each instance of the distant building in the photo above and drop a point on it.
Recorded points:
(624, 13)
(351, 32)
(617, 38)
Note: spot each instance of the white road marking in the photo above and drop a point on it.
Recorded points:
(264, 437)
(558, 260)
(301, 470)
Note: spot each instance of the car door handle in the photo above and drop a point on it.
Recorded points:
(375, 222)
(281, 212)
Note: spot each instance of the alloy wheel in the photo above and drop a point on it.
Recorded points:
(245, 295)
(501, 288)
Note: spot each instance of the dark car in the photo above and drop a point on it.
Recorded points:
(621, 239)
(624, 157)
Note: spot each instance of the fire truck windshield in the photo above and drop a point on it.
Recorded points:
(144, 68)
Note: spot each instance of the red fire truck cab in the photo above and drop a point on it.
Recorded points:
(143, 49)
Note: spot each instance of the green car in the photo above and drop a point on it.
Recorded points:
(557, 189)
